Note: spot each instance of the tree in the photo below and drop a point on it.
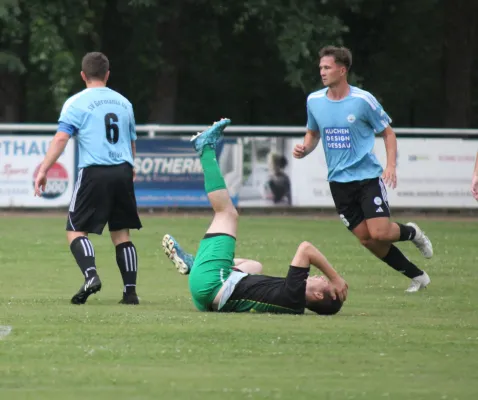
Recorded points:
(14, 47)
(216, 32)
(459, 53)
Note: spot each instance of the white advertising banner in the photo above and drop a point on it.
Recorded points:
(432, 173)
(20, 158)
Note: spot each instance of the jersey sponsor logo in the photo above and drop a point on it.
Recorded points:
(379, 210)
(337, 138)
(57, 181)
(351, 118)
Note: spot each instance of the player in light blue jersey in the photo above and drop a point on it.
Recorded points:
(348, 119)
(102, 121)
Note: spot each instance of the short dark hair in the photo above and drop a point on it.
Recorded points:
(325, 306)
(341, 55)
(95, 65)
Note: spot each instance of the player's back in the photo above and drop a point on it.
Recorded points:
(262, 293)
(104, 125)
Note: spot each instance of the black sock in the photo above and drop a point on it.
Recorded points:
(406, 232)
(84, 254)
(127, 260)
(400, 263)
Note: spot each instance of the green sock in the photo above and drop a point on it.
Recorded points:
(213, 179)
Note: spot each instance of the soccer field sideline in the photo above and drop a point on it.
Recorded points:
(470, 215)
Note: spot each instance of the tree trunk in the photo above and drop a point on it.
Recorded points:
(460, 25)
(10, 97)
(163, 105)
(13, 83)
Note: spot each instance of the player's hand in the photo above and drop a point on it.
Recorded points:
(339, 288)
(389, 176)
(299, 151)
(474, 187)
(40, 183)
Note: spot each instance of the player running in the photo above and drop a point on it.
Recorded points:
(348, 118)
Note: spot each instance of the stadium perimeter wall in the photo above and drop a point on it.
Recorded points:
(434, 168)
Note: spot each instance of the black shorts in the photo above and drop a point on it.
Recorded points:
(103, 194)
(360, 200)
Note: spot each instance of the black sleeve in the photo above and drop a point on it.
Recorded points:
(295, 283)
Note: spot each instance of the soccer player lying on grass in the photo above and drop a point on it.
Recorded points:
(218, 282)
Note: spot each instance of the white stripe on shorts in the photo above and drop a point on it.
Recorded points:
(75, 192)
(383, 189)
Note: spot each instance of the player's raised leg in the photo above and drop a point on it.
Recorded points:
(225, 214)
(214, 260)
(182, 260)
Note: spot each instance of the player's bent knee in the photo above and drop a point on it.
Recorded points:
(251, 267)
(230, 212)
(257, 268)
(305, 247)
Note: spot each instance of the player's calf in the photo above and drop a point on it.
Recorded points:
(127, 260)
(84, 253)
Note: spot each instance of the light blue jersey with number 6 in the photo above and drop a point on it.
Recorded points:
(103, 121)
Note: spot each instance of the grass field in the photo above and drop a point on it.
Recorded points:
(384, 344)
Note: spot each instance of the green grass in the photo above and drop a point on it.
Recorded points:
(384, 344)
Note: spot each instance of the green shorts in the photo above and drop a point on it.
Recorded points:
(213, 264)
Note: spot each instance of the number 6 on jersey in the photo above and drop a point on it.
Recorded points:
(112, 130)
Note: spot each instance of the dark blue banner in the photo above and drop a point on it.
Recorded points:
(169, 174)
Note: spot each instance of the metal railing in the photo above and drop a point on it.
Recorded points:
(151, 130)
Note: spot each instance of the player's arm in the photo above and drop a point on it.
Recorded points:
(132, 131)
(56, 148)
(133, 136)
(390, 173)
(311, 138)
(68, 124)
(380, 122)
(307, 254)
(474, 181)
